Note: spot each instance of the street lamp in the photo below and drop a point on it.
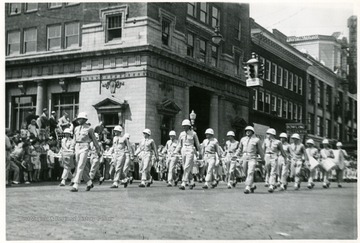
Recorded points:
(217, 38)
(192, 118)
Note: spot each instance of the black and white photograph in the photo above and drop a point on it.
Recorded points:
(210, 120)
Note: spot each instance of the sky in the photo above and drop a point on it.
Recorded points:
(303, 17)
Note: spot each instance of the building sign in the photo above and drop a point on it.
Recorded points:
(250, 82)
(299, 128)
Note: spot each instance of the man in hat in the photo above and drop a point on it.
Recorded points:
(53, 124)
(230, 149)
(283, 163)
(313, 152)
(340, 162)
(171, 158)
(297, 152)
(272, 147)
(64, 121)
(43, 124)
(31, 115)
(83, 135)
(326, 152)
(249, 148)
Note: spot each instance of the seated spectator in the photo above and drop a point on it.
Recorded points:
(16, 158)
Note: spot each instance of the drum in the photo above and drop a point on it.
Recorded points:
(313, 163)
(339, 159)
(328, 164)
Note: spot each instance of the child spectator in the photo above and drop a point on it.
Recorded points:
(51, 154)
(24, 132)
(27, 165)
(33, 129)
(67, 156)
(35, 152)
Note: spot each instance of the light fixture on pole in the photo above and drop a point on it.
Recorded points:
(192, 117)
(217, 38)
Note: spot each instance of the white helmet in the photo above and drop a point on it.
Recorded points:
(271, 131)
(147, 131)
(186, 122)
(310, 141)
(339, 144)
(209, 131)
(172, 133)
(67, 130)
(325, 141)
(295, 135)
(82, 115)
(127, 135)
(249, 128)
(230, 133)
(283, 135)
(118, 128)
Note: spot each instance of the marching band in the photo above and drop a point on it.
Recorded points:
(200, 162)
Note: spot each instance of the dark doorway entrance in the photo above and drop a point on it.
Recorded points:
(200, 103)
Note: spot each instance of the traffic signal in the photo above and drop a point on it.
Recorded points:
(261, 70)
(252, 71)
(246, 70)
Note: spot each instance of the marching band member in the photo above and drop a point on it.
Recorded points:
(313, 152)
(283, 163)
(67, 156)
(148, 147)
(188, 140)
(210, 149)
(297, 151)
(120, 143)
(272, 147)
(95, 159)
(83, 135)
(250, 147)
(340, 163)
(325, 153)
(129, 161)
(230, 148)
(171, 158)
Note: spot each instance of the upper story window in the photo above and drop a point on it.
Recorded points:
(215, 17)
(279, 107)
(113, 27)
(295, 86)
(286, 77)
(202, 50)
(295, 112)
(191, 9)
(285, 109)
(273, 105)
(190, 45)
(328, 98)
(238, 30)
(319, 94)
(310, 93)
(55, 5)
(13, 43)
(280, 76)
(214, 55)
(290, 81)
(165, 35)
(15, 8)
(290, 109)
(267, 103)
(71, 35)
(238, 62)
(203, 12)
(273, 72)
(31, 7)
(267, 70)
(261, 101)
(300, 86)
(255, 99)
(54, 37)
(30, 39)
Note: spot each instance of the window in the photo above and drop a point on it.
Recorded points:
(279, 107)
(290, 109)
(191, 9)
(295, 85)
(13, 44)
(290, 81)
(31, 7)
(261, 101)
(30, 40)
(22, 105)
(318, 126)
(280, 76)
(300, 118)
(286, 77)
(202, 50)
(238, 63)
(300, 86)
(55, 5)
(190, 45)
(238, 30)
(310, 93)
(295, 108)
(72, 35)
(273, 105)
(319, 94)
(214, 55)
(113, 27)
(255, 99)
(273, 72)
(267, 70)
(68, 102)
(203, 12)
(327, 128)
(267, 103)
(311, 123)
(285, 109)
(15, 8)
(328, 98)
(165, 37)
(54, 37)
(215, 17)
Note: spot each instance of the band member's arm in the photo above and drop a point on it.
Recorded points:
(316, 154)
(260, 150)
(282, 150)
(197, 143)
(218, 150)
(155, 149)
(96, 144)
(139, 149)
(240, 148)
(129, 147)
(305, 153)
(165, 149)
(179, 145)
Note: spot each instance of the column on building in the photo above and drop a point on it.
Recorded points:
(214, 113)
(316, 94)
(324, 85)
(40, 99)
(332, 110)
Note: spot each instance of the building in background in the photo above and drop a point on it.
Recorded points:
(135, 64)
(352, 61)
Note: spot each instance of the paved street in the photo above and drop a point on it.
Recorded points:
(50, 212)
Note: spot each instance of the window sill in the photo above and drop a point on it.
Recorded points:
(31, 11)
(55, 7)
(14, 14)
(70, 5)
(114, 42)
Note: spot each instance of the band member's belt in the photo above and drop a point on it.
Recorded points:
(78, 142)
